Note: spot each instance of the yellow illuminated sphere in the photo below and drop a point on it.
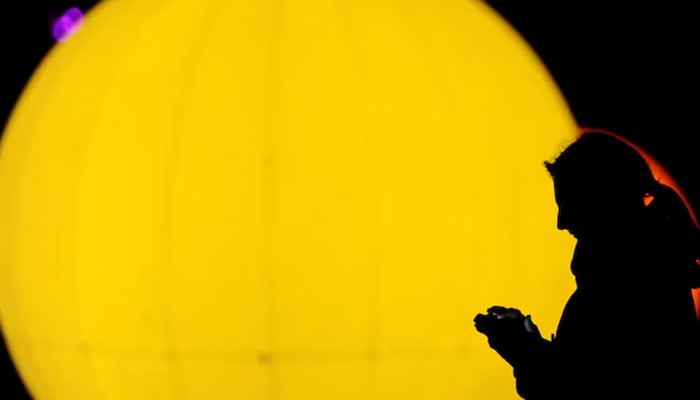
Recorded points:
(289, 200)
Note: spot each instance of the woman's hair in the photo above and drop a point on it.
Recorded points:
(671, 213)
(600, 160)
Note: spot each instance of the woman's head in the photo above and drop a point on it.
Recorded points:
(600, 184)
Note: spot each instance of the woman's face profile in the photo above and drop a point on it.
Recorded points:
(590, 208)
(582, 211)
(570, 210)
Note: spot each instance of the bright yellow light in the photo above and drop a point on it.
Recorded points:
(279, 200)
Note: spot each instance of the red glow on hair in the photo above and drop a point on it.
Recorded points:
(661, 175)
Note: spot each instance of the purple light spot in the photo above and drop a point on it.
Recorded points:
(67, 24)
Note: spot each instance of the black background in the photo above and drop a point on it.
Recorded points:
(625, 66)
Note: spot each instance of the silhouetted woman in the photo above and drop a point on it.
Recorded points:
(630, 329)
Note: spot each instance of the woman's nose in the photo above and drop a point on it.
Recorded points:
(562, 220)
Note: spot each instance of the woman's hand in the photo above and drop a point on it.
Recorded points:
(509, 332)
